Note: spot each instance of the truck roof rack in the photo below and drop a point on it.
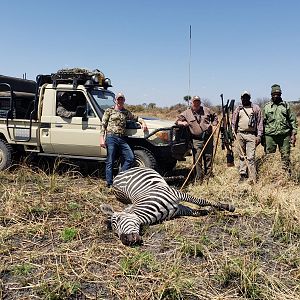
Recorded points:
(78, 76)
(18, 84)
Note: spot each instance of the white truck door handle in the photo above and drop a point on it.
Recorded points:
(58, 125)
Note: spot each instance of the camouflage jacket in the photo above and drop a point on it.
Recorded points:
(279, 119)
(114, 121)
(62, 112)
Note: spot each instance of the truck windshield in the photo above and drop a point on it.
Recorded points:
(103, 98)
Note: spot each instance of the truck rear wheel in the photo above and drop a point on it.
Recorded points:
(5, 155)
(144, 158)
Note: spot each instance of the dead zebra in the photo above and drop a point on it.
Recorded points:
(151, 201)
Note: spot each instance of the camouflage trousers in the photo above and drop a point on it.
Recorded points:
(283, 141)
(246, 150)
(204, 164)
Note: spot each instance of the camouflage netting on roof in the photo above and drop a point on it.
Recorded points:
(78, 71)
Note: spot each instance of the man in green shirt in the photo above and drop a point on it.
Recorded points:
(280, 125)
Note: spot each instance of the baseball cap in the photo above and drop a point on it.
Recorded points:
(195, 98)
(275, 88)
(245, 93)
(120, 95)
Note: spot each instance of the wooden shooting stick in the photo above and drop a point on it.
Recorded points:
(211, 135)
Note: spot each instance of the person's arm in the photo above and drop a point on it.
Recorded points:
(62, 112)
(293, 121)
(131, 116)
(181, 120)
(234, 120)
(182, 123)
(294, 126)
(105, 120)
(143, 124)
(214, 119)
(259, 125)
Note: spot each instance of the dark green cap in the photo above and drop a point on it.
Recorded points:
(275, 88)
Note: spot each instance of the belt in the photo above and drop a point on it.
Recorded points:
(198, 138)
(247, 132)
(115, 134)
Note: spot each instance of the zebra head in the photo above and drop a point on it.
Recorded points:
(125, 225)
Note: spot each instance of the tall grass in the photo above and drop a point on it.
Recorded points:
(54, 243)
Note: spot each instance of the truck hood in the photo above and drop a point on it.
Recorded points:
(153, 123)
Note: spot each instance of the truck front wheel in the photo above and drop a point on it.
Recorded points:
(144, 158)
(5, 155)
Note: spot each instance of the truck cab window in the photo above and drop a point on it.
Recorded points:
(70, 104)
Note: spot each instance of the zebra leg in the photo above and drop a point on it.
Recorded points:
(224, 206)
(202, 202)
(188, 211)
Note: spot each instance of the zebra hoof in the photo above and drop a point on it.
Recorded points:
(131, 239)
(228, 207)
(231, 208)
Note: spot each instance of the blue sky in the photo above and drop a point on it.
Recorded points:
(144, 46)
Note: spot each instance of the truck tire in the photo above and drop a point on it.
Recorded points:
(144, 158)
(168, 166)
(5, 155)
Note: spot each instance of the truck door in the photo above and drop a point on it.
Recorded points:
(70, 132)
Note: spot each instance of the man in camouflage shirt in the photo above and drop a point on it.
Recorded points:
(200, 119)
(280, 125)
(112, 136)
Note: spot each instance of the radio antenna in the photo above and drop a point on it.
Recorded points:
(190, 57)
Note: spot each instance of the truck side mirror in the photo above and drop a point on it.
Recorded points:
(84, 117)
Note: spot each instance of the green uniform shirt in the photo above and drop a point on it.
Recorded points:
(114, 121)
(279, 119)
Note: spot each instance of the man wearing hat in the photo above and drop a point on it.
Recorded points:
(280, 126)
(200, 119)
(247, 123)
(112, 136)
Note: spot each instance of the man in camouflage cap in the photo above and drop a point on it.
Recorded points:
(112, 135)
(280, 125)
(200, 119)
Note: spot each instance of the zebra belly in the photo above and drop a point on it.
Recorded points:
(149, 214)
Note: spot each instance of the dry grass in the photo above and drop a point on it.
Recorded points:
(54, 243)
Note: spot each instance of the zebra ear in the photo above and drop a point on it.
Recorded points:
(107, 209)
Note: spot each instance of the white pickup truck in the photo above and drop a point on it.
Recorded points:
(29, 121)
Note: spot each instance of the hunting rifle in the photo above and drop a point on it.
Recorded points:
(226, 130)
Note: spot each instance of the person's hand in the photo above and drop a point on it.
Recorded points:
(257, 140)
(102, 142)
(144, 127)
(183, 123)
(293, 139)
